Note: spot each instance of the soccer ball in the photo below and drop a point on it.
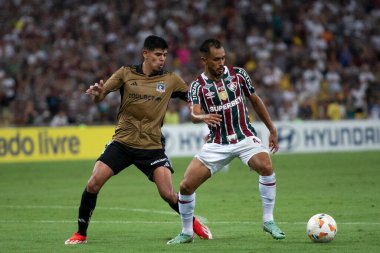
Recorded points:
(321, 228)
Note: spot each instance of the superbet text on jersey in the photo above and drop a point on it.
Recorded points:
(227, 98)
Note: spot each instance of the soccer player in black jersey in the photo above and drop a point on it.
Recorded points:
(145, 93)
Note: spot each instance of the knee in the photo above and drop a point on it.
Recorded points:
(93, 186)
(185, 188)
(265, 169)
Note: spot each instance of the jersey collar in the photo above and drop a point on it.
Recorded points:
(140, 71)
(210, 80)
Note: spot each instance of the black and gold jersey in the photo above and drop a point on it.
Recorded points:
(144, 100)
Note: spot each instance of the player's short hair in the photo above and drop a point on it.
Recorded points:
(153, 42)
(207, 44)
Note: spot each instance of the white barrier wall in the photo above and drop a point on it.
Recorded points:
(300, 137)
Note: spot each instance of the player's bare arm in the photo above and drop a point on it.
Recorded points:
(198, 115)
(97, 91)
(260, 109)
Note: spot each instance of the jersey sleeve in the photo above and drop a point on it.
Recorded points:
(194, 93)
(115, 81)
(180, 88)
(246, 83)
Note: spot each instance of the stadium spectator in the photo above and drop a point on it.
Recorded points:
(60, 119)
(333, 79)
(374, 109)
(311, 80)
(334, 109)
(216, 98)
(358, 95)
(305, 111)
(7, 95)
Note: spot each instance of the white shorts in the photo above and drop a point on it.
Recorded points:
(216, 156)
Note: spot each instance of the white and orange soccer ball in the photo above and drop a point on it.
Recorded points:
(321, 228)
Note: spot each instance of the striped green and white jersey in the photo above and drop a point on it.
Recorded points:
(226, 97)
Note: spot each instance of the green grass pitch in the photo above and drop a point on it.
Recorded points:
(39, 203)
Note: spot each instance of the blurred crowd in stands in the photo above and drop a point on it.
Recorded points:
(309, 60)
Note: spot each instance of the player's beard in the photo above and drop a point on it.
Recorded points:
(218, 72)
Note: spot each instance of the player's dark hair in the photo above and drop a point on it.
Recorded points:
(153, 42)
(207, 44)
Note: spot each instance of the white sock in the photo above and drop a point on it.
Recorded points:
(267, 187)
(186, 205)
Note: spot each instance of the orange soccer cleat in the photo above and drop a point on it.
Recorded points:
(76, 238)
(201, 230)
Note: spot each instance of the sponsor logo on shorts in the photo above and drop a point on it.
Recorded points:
(157, 161)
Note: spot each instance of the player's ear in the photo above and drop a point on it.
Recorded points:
(145, 53)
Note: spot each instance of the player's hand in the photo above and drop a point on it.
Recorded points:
(96, 89)
(273, 142)
(212, 119)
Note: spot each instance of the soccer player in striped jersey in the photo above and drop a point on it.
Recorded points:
(218, 97)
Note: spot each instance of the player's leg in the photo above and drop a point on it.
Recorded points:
(156, 165)
(100, 174)
(196, 173)
(113, 160)
(262, 164)
(162, 177)
(267, 182)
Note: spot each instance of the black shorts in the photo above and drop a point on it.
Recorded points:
(119, 156)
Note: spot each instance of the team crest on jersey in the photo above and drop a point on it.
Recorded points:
(232, 86)
(223, 95)
(160, 87)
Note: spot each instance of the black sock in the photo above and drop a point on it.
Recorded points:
(175, 206)
(87, 206)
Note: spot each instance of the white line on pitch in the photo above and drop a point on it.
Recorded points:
(172, 222)
(97, 208)
(203, 219)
